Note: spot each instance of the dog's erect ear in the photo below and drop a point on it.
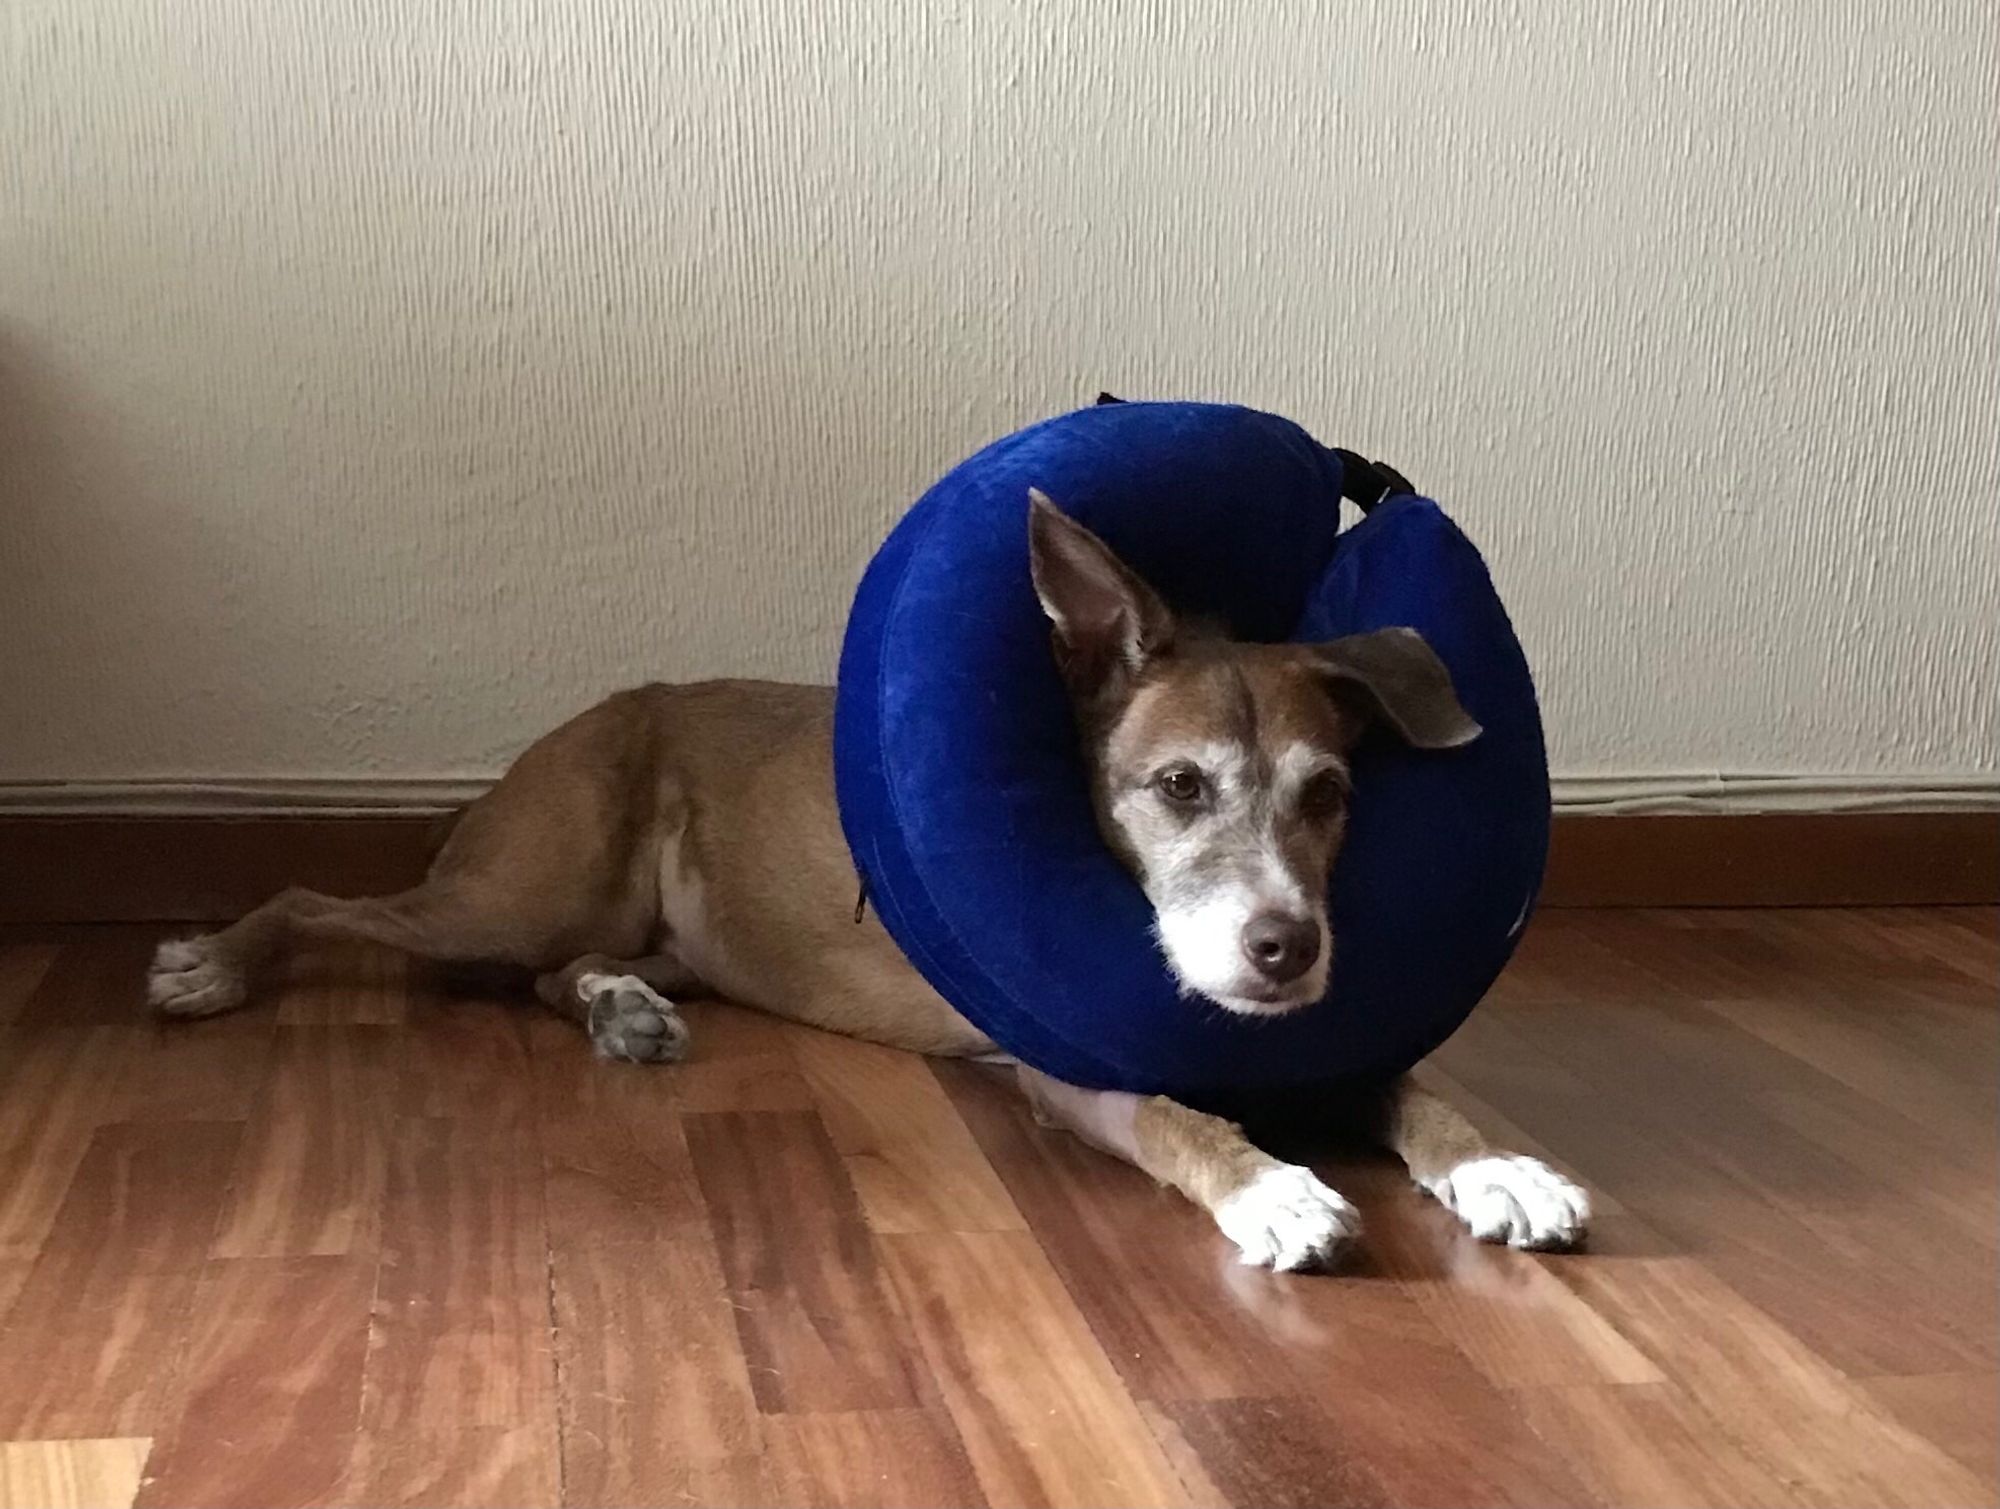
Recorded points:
(1106, 619)
(1393, 675)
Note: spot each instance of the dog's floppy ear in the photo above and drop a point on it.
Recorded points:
(1395, 676)
(1106, 619)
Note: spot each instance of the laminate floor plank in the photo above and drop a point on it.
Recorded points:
(1466, 1444)
(57, 1086)
(273, 1369)
(870, 1459)
(614, 1159)
(1766, 1392)
(1044, 1416)
(654, 1394)
(820, 1327)
(315, 1150)
(1808, 1233)
(738, 1060)
(469, 1063)
(100, 1474)
(463, 1335)
(1651, 1446)
(472, 1467)
(1282, 1452)
(1956, 1412)
(96, 979)
(913, 1163)
(91, 1345)
(208, 1070)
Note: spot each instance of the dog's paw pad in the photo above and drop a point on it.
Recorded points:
(632, 1022)
(188, 978)
(1520, 1201)
(1287, 1220)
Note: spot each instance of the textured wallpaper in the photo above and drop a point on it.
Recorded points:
(380, 383)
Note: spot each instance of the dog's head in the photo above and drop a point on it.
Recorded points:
(1219, 768)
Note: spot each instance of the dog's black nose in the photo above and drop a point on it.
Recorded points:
(1282, 948)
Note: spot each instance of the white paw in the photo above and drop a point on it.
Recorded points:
(187, 979)
(1287, 1220)
(1520, 1201)
(629, 1020)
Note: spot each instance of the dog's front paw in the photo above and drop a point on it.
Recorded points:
(1520, 1201)
(190, 978)
(1287, 1220)
(629, 1020)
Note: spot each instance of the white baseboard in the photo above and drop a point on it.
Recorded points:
(1717, 791)
(1664, 792)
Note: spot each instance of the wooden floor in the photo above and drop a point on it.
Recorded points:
(374, 1246)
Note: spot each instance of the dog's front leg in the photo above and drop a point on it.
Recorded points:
(1278, 1214)
(1501, 1197)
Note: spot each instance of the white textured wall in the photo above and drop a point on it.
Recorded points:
(381, 381)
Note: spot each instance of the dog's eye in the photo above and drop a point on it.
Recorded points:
(1181, 783)
(1324, 794)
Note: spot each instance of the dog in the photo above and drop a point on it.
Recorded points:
(679, 839)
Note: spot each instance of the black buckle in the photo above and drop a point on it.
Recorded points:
(1368, 482)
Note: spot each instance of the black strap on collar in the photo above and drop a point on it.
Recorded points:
(1368, 482)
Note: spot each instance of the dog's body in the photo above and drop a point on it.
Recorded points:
(675, 838)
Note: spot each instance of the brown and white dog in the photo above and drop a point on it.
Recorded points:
(676, 839)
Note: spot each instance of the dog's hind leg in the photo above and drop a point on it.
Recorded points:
(623, 1004)
(193, 977)
(559, 859)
